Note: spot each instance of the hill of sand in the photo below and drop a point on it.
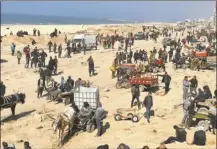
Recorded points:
(31, 122)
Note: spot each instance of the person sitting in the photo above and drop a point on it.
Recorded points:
(26, 145)
(180, 136)
(103, 146)
(199, 137)
(145, 147)
(85, 112)
(123, 146)
(200, 97)
(207, 92)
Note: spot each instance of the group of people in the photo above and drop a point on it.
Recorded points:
(26, 145)
(124, 146)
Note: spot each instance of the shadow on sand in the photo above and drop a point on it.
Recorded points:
(3, 61)
(18, 116)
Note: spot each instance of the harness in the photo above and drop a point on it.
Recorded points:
(9, 100)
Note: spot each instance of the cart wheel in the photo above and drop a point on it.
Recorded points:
(203, 110)
(117, 117)
(130, 115)
(204, 124)
(118, 85)
(135, 119)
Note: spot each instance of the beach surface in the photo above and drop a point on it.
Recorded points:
(32, 124)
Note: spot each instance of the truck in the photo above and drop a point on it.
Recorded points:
(85, 40)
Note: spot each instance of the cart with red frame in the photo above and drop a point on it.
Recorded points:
(145, 81)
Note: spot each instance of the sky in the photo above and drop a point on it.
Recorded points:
(123, 10)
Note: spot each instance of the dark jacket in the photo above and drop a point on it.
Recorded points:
(3, 89)
(166, 79)
(199, 138)
(135, 91)
(43, 55)
(181, 134)
(207, 94)
(148, 102)
(194, 83)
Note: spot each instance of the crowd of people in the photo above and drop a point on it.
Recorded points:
(191, 93)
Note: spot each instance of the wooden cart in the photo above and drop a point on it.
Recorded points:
(145, 81)
(128, 113)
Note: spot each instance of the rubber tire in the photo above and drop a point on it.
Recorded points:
(117, 117)
(135, 119)
(118, 85)
(204, 124)
(90, 127)
(203, 110)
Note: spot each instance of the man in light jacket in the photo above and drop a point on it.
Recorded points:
(99, 116)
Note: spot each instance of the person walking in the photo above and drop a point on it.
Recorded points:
(193, 86)
(41, 85)
(43, 57)
(148, 103)
(135, 95)
(166, 79)
(90, 66)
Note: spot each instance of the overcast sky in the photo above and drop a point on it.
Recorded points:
(135, 11)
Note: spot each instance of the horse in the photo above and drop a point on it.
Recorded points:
(11, 101)
(62, 121)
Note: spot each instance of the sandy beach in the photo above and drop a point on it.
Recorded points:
(32, 123)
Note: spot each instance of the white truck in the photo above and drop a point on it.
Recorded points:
(85, 40)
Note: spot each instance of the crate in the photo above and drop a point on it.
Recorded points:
(90, 95)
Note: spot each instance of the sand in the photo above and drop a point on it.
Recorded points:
(30, 116)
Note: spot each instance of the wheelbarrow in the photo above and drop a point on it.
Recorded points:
(127, 113)
(203, 120)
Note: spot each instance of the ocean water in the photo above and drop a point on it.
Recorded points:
(36, 19)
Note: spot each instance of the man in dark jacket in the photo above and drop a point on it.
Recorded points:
(50, 44)
(135, 95)
(71, 81)
(51, 64)
(43, 57)
(180, 135)
(199, 138)
(193, 86)
(91, 66)
(55, 64)
(3, 88)
(148, 103)
(166, 79)
(99, 116)
(41, 85)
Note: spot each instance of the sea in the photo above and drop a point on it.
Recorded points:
(49, 20)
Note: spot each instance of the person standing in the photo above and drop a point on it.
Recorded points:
(68, 51)
(186, 84)
(148, 103)
(55, 64)
(166, 79)
(186, 105)
(50, 44)
(99, 116)
(34, 32)
(43, 57)
(91, 66)
(2, 89)
(193, 86)
(27, 52)
(19, 55)
(26, 145)
(41, 85)
(55, 47)
(38, 33)
(135, 95)
(13, 49)
(60, 51)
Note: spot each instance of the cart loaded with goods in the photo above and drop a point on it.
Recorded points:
(201, 60)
